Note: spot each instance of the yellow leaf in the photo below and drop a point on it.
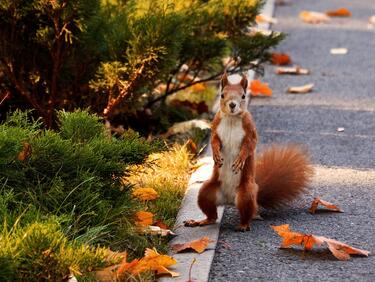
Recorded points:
(145, 194)
(143, 218)
(155, 262)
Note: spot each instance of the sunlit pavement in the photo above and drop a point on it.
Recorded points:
(343, 96)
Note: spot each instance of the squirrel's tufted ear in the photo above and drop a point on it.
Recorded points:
(243, 82)
(224, 80)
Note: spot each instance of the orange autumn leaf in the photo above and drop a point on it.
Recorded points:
(328, 205)
(143, 218)
(108, 274)
(198, 245)
(340, 250)
(341, 12)
(154, 261)
(199, 87)
(126, 267)
(160, 224)
(280, 59)
(25, 153)
(259, 88)
(145, 194)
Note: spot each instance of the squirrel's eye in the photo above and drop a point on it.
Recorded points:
(222, 96)
(243, 96)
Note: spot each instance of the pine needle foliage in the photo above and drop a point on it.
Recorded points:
(121, 57)
(75, 171)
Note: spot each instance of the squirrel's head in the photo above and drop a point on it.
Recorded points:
(233, 96)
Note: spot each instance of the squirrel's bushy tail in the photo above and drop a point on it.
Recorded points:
(282, 173)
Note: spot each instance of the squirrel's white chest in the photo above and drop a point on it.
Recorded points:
(231, 134)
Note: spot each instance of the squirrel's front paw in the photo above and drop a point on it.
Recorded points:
(238, 165)
(218, 159)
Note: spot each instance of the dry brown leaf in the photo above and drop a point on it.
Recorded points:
(265, 19)
(145, 194)
(340, 250)
(280, 59)
(313, 17)
(161, 224)
(301, 89)
(328, 205)
(292, 70)
(341, 12)
(143, 218)
(198, 245)
(25, 153)
(258, 88)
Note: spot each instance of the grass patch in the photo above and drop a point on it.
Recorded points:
(168, 173)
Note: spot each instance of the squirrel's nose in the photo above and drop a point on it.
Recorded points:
(232, 105)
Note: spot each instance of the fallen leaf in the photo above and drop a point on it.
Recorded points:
(198, 245)
(340, 250)
(328, 205)
(126, 268)
(156, 230)
(313, 17)
(145, 194)
(154, 261)
(340, 129)
(372, 20)
(25, 153)
(161, 224)
(280, 59)
(107, 274)
(301, 89)
(143, 218)
(199, 87)
(259, 88)
(265, 19)
(292, 70)
(341, 12)
(339, 51)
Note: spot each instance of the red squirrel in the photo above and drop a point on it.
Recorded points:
(279, 175)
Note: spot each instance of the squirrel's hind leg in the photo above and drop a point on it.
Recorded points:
(246, 204)
(207, 203)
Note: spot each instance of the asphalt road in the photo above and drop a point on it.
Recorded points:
(343, 96)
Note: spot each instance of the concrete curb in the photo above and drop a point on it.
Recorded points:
(190, 210)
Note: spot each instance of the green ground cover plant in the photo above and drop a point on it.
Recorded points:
(64, 199)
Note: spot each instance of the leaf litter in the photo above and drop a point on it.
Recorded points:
(339, 249)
